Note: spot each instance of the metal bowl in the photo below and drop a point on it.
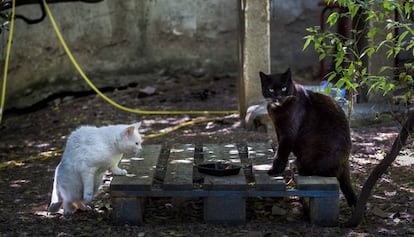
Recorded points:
(219, 169)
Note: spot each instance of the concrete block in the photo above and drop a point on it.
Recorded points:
(128, 210)
(324, 211)
(225, 210)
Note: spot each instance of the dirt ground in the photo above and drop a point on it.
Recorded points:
(31, 143)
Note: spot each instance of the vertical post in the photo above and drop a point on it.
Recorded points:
(128, 210)
(254, 51)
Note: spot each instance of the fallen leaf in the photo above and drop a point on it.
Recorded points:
(379, 212)
(278, 211)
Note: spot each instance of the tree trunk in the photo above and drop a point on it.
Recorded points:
(379, 170)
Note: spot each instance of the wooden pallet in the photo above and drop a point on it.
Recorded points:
(169, 172)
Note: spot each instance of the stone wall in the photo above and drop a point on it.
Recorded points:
(118, 42)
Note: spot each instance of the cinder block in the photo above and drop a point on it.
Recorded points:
(127, 210)
(324, 211)
(225, 210)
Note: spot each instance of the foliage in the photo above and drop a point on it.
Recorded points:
(381, 28)
(4, 21)
(379, 25)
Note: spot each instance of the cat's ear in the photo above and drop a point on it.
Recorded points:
(263, 77)
(138, 125)
(130, 131)
(288, 74)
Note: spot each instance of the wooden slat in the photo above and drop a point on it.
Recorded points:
(316, 183)
(140, 170)
(223, 153)
(179, 173)
(261, 156)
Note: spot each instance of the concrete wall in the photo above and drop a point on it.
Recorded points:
(118, 42)
(288, 23)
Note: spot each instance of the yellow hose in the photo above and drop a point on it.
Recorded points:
(110, 101)
(6, 61)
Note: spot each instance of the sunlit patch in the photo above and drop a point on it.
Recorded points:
(217, 160)
(411, 190)
(253, 154)
(364, 143)
(41, 145)
(385, 136)
(263, 167)
(234, 160)
(47, 214)
(361, 161)
(136, 158)
(233, 152)
(277, 178)
(183, 161)
(18, 183)
(177, 150)
(405, 160)
(50, 153)
(378, 155)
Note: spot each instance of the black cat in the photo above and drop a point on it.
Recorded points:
(313, 127)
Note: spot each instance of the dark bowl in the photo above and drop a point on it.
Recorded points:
(219, 169)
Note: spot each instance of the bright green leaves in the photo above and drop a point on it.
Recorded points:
(386, 36)
(332, 19)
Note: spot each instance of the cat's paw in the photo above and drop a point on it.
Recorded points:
(119, 171)
(84, 207)
(88, 197)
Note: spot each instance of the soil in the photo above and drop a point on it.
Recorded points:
(31, 143)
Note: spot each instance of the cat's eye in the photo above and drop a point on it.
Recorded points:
(137, 143)
(271, 90)
(284, 89)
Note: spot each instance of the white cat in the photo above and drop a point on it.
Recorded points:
(89, 152)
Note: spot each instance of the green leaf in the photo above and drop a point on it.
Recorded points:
(372, 32)
(364, 71)
(353, 9)
(387, 6)
(332, 18)
(396, 51)
(402, 36)
(309, 38)
(340, 83)
(339, 61)
(370, 51)
(331, 76)
(389, 36)
(322, 56)
(351, 69)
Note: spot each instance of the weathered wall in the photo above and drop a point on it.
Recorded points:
(289, 20)
(118, 42)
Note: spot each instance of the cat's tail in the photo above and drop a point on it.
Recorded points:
(56, 200)
(346, 188)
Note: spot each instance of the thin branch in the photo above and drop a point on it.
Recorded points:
(379, 170)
